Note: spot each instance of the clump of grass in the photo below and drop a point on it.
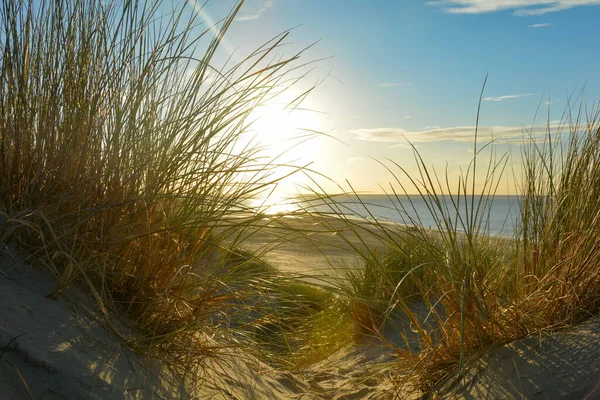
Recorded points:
(378, 279)
(557, 243)
(302, 324)
(451, 280)
(480, 291)
(125, 164)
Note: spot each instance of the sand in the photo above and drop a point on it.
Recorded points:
(61, 349)
(315, 245)
(563, 365)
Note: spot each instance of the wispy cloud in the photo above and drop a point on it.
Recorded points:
(519, 7)
(256, 12)
(463, 134)
(545, 24)
(507, 97)
(250, 17)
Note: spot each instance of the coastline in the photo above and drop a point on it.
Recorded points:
(316, 243)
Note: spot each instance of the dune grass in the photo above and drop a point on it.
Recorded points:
(455, 292)
(305, 324)
(126, 165)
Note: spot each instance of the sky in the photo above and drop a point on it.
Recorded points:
(391, 72)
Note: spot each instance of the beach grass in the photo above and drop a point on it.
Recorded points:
(126, 165)
(459, 290)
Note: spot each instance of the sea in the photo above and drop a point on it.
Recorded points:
(495, 215)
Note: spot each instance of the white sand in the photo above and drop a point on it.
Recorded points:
(564, 365)
(62, 350)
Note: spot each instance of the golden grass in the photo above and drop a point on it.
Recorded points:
(124, 166)
(125, 162)
(480, 291)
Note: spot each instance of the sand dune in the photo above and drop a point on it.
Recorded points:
(57, 349)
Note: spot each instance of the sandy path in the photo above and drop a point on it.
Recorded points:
(61, 349)
(313, 245)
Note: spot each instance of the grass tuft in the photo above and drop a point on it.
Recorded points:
(451, 294)
(126, 163)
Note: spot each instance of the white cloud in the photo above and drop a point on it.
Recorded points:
(463, 134)
(249, 17)
(506, 97)
(407, 116)
(519, 7)
(545, 24)
(256, 11)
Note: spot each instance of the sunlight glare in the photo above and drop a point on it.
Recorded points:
(286, 132)
(288, 137)
(275, 204)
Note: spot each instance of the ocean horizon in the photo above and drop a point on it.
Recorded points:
(498, 218)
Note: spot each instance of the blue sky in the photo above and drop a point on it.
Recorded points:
(414, 69)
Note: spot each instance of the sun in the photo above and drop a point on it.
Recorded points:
(286, 132)
(276, 204)
(289, 140)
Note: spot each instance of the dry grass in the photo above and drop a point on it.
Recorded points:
(125, 162)
(479, 291)
(124, 165)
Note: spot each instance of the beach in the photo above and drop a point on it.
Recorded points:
(313, 244)
(193, 207)
(55, 349)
